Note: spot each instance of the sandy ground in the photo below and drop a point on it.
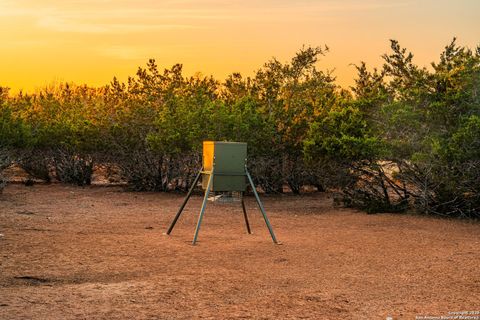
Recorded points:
(101, 253)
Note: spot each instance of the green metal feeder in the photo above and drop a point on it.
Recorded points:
(224, 170)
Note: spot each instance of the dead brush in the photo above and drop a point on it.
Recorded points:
(5, 162)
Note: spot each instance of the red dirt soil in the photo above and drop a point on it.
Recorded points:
(101, 253)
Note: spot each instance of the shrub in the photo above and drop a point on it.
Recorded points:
(403, 138)
(36, 163)
(5, 161)
(72, 167)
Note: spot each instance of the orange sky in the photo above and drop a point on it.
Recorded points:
(43, 41)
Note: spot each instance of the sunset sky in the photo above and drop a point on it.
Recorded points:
(47, 41)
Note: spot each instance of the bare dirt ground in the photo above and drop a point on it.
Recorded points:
(101, 253)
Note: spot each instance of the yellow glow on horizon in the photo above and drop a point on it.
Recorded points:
(92, 41)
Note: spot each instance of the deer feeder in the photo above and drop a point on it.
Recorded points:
(224, 170)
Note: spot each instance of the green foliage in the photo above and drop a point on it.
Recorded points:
(341, 134)
(404, 137)
(429, 129)
(464, 144)
(14, 132)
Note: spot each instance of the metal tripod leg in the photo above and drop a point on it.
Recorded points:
(245, 216)
(184, 202)
(202, 210)
(260, 205)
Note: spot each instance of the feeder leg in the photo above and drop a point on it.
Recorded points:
(202, 210)
(245, 216)
(260, 205)
(184, 202)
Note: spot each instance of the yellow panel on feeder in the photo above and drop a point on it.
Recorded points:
(208, 153)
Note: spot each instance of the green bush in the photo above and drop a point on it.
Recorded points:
(402, 138)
